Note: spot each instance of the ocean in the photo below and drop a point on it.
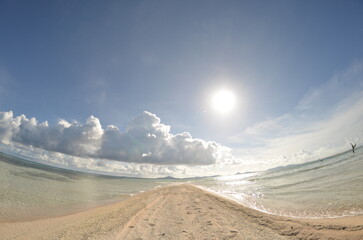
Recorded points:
(326, 188)
(30, 191)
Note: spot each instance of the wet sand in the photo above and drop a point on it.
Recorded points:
(181, 212)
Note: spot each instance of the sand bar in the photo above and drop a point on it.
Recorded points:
(181, 212)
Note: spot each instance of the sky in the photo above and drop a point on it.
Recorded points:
(126, 87)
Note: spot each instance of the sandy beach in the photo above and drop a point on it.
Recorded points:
(181, 212)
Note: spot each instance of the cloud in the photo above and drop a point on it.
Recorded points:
(320, 125)
(117, 168)
(146, 140)
(339, 87)
(7, 124)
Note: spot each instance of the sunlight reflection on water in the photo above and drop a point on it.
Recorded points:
(330, 187)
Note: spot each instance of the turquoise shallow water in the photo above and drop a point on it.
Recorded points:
(31, 191)
(326, 188)
(331, 187)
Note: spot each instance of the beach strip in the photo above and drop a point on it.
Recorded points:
(181, 212)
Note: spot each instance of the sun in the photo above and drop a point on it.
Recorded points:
(224, 101)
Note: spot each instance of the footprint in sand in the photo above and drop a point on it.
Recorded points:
(151, 224)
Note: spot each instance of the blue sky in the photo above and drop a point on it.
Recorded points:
(295, 67)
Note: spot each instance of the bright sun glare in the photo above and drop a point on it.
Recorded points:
(224, 101)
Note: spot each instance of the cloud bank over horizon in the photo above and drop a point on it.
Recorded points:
(145, 140)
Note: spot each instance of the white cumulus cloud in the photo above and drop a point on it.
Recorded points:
(145, 140)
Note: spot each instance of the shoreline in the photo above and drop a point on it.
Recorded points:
(181, 211)
(269, 213)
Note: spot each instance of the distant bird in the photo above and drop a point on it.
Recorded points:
(353, 146)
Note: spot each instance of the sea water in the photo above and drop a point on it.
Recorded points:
(31, 191)
(326, 188)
